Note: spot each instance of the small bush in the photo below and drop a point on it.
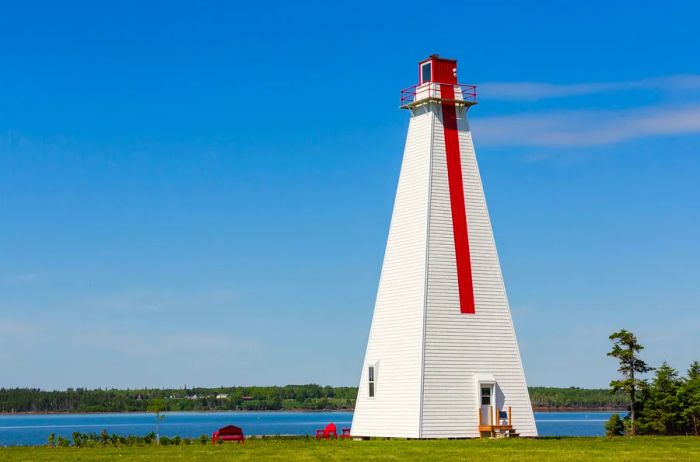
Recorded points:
(104, 437)
(90, 440)
(615, 426)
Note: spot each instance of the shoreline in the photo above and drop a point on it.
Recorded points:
(311, 411)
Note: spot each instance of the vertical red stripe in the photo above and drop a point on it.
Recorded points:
(457, 202)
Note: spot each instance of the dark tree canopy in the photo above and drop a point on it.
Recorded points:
(625, 350)
(669, 405)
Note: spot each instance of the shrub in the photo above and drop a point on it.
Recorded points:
(615, 426)
(104, 437)
(87, 440)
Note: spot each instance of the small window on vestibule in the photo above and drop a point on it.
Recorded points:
(426, 72)
(485, 396)
(370, 380)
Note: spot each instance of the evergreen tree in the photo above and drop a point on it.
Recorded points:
(615, 426)
(689, 396)
(625, 350)
(660, 413)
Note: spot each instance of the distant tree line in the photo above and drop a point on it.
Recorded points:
(667, 405)
(289, 397)
(550, 398)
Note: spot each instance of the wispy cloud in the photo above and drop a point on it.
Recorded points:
(11, 327)
(18, 335)
(27, 278)
(150, 300)
(533, 91)
(586, 127)
(54, 354)
(157, 343)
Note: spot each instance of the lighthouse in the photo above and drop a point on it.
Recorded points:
(442, 359)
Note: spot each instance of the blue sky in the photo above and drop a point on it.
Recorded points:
(200, 193)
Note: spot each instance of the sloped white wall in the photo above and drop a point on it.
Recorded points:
(457, 345)
(396, 337)
(425, 351)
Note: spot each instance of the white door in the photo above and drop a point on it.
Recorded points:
(487, 403)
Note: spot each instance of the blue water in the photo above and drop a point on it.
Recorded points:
(34, 429)
(571, 423)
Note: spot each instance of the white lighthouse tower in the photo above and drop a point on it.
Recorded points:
(442, 359)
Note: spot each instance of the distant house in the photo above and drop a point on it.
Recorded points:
(222, 396)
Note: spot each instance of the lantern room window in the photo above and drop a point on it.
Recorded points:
(426, 72)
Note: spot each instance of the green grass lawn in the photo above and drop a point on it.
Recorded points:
(568, 449)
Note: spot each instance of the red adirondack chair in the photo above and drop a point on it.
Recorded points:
(327, 433)
(346, 433)
(228, 433)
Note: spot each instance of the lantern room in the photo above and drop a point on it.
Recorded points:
(438, 70)
(437, 82)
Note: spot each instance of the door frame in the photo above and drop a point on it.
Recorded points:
(487, 380)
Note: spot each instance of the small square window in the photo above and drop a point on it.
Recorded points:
(426, 72)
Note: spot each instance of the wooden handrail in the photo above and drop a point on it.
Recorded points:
(495, 423)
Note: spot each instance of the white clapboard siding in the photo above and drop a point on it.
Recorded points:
(427, 353)
(395, 339)
(458, 346)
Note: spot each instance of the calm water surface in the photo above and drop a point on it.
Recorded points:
(35, 429)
